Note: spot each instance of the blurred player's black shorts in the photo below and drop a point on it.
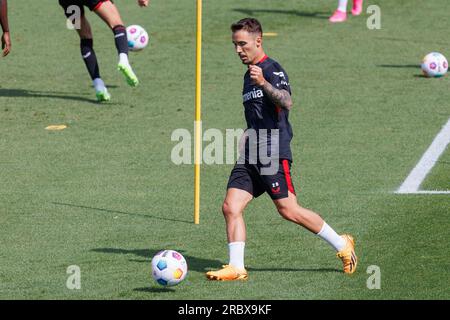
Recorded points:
(248, 177)
(91, 4)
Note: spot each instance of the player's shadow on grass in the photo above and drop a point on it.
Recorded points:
(201, 264)
(103, 210)
(403, 66)
(151, 289)
(399, 66)
(317, 15)
(146, 255)
(22, 93)
(295, 269)
(393, 39)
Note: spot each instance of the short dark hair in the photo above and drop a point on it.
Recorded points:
(250, 25)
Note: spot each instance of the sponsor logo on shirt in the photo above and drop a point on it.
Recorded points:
(254, 94)
(280, 74)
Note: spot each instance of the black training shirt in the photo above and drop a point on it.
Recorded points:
(262, 113)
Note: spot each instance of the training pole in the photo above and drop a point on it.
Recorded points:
(198, 115)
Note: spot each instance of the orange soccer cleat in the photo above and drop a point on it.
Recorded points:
(227, 273)
(348, 255)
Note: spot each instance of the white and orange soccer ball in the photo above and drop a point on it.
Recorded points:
(434, 65)
(169, 268)
(137, 38)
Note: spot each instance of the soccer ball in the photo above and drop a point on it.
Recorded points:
(169, 268)
(434, 65)
(137, 38)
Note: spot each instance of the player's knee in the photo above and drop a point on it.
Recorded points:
(283, 211)
(288, 213)
(229, 210)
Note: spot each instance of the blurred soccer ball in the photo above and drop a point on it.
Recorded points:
(137, 38)
(169, 268)
(434, 65)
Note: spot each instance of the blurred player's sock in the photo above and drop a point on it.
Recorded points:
(235, 270)
(123, 59)
(330, 236)
(357, 7)
(342, 6)
(98, 84)
(120, 37)
(100, 90)
(236, 251)
(103, 95)
(89, 57)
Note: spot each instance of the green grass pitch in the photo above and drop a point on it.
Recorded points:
(104, 195)
(438, 178)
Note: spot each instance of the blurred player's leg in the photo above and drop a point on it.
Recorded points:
(340, 14)
(109, 13)
(357, 7)
(344, 245)
(90, 59)
(5, 37)
(233, 207)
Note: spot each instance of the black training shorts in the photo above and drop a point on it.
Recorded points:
(248, 177)
(91, 4)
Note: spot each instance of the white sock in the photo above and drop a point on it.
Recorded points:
(342, 6)
(330, 236)
(123, 58)
(99, 85)
(236, 251)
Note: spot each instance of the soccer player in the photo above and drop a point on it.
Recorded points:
(109, 13)
(340, 15)
(267, 102)
(6, 40)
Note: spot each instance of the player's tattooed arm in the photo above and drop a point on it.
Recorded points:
(281, 98)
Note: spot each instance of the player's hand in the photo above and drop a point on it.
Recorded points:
(256, 75)
(143, 3)
(6, 43)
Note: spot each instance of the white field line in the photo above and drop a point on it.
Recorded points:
(426, 163)
(427, 192)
